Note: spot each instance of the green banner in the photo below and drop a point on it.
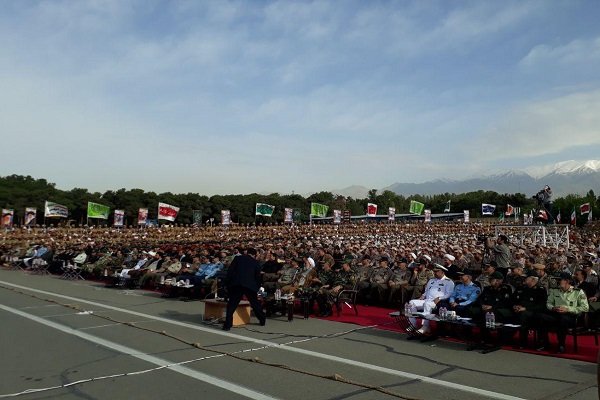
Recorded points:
(96, 210)
(318, 210)
(416, 207)
(265, 210)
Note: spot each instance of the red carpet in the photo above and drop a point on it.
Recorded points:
(587, 349)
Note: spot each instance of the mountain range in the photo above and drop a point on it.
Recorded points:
(567, 177)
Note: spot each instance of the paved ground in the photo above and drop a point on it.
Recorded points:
(46, 342)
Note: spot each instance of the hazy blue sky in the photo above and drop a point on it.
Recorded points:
(261, 96)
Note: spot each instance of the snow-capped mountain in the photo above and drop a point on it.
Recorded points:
(567, 177)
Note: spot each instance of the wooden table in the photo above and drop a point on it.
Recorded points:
(215, 309)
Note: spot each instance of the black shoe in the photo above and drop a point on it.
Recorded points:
(263, 322)
(226, 328)
(561, 350)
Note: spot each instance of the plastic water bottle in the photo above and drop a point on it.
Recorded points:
(162, 279)
(406, 309)
(488, 319)
(278, 294)
(492, 320)
(443, 312)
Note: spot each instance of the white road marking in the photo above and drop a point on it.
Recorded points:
(353, 363)
(232, 387)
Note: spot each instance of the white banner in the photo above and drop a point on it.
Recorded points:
(119, 217)
(55, 210)
(391, 214)
(288, 215)
(427, 215)
(225, 217)
(337, 216)
(466, 215)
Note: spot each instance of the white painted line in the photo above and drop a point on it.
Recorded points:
(232, 387)
(353, 363)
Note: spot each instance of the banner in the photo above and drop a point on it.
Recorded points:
(318, 210)
(337, 216)
(55, 210)
(509, 210)
(416, 207)
(590, 216)
(95, 210)
(119, 218)
(487, 209)
(30, 216)
(371, 210)
(427, 215)
(142, 216)
(167, 211)
(466, 215)
(225, 217)
(265, 210)
(573, 217)
(447, 208)
(558, 217)
(584, 208)
(7, 217)
(391, 214)
(197, 217)
(288, 215)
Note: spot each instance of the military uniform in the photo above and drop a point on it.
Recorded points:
(500, 300)
(418, 281)
(436, 288)
(464, 296)
(323, 290)
(516, 281)
(548, 282)
(533, 299)
(398, 283)
(286, 276)
(379, 284)
(575, 302)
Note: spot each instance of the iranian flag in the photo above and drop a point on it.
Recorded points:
(573, 217)
(371, 210)
(584, 208)
(167, 211)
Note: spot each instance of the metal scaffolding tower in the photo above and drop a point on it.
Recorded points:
(544, 235)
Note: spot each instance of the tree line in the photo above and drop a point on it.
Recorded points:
(18, 192)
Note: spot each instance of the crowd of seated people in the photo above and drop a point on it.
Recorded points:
(387, 264)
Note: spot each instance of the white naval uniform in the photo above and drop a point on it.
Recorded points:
(435, 288)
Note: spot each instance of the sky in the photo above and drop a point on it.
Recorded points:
(231, 97)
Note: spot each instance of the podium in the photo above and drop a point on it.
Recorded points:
(216, 309)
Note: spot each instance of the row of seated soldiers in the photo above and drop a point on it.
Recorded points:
(530, 305)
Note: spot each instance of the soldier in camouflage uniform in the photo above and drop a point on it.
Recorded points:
(379, 282)
(420, 276)
(398, 283)
(288, 272)
(324, 283)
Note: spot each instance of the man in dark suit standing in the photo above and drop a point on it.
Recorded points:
(243, 279)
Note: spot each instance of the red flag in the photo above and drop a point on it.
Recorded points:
(371, 210)
(167, 211)
(584, 208)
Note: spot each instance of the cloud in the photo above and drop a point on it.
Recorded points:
(575, 53)
(544, 127)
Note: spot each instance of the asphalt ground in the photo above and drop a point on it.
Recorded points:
(120, 344)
